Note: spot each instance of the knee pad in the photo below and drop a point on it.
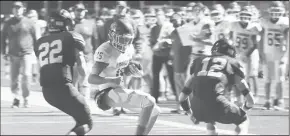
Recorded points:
(100, 99)
(148, 101)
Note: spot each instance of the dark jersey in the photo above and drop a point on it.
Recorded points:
(212, 75)
(56, 55)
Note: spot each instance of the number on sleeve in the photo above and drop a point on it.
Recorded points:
(49, 53)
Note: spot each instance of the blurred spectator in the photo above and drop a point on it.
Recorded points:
(150, 18)
(161, 44)
(22, 34)
(32, 14)
(232, 11)
(42, 14)
(88, 29)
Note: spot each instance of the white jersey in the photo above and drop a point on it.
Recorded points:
(196, 29)
(274, 37)
(242, 37)
(221, 30)
(116, 60)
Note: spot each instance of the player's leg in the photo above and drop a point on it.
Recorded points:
(211, 129)
(156, 69)
(130, 99)
(269, 70)
(26, 77)
(15, 64)
(279, 79)
(232, 114)
(254, 70)
(71, 102)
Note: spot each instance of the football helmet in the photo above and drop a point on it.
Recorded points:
(234, 9)
(246, 15)
(277, 9)
(217, 13)
(60, 20)
(121, 34)
(225, 47)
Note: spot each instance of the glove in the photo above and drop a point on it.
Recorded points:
(100, 99)
(133, 69)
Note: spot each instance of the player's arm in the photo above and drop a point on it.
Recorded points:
(36, 32)
(255, 39)
(242, 85)
(4, 36)
(187, 90)
(101, 62)
(261, 46)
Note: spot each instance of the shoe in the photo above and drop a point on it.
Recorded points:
(116, 112)
(267, 106)
(16, 103)
(26, 104)
(279, 105)
(123, 111)
(177, 111)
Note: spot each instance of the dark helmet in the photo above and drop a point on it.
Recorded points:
(60, 20)
(225, 47)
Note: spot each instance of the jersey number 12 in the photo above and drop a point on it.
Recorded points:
(48, 52)
(215, 67)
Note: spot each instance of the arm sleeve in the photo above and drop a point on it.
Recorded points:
(101, 55)
(79, 41)
(4, 36)
(153, 38)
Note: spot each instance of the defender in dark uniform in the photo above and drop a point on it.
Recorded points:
(210, 76)
(57, 54)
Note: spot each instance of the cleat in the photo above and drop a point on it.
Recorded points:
(123, 111)
(279, 105)
(26, 104)
(16, 103)
(176, 112)
(267, 106)
(116, 112)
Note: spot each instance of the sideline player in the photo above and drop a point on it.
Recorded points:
(221, 30)
(112, 63)
(57, 54)
(246, 36)
(274, 50)
(209, 78)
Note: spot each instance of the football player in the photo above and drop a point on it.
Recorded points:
(203, 95)
(113, 62)
(87, 28)
(57, 53)
(232, 12)
(221, 30)
(275, 45)
(202, 33)
(246, 36)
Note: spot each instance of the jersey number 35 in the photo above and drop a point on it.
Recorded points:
(50, 52)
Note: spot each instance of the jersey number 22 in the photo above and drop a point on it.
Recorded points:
(48, 52)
